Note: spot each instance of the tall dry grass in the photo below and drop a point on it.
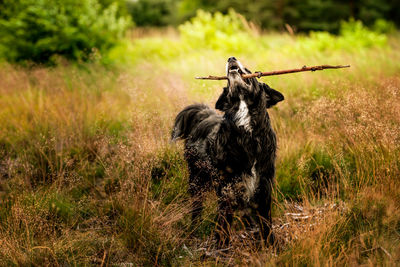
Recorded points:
(79, 150)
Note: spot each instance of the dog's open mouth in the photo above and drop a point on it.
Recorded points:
(235, 70)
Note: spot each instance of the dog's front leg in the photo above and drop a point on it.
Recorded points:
(197, 208)
(263, 210)
(225, 218)
(197, 202)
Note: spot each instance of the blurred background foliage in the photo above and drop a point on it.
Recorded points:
(273, 14)
(41, 31)
(233, 34)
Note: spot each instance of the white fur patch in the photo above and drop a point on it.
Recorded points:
(241, 66)
(251, 183)
(242, 117)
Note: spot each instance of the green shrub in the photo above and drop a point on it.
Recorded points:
(40, 30)
(384, 26)
(355, 33)
(353, 36)
(218, 32)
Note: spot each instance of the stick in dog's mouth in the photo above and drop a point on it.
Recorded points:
(259, 74)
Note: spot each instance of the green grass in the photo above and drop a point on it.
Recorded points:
(88, 176)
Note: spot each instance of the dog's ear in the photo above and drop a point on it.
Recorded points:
(273, 96)
(223, 101)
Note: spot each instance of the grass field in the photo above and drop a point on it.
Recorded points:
(88, 176)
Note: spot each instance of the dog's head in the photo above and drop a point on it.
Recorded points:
(238, 87)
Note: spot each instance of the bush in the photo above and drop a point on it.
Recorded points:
(217, 32)
(40, 30)
(353, 36)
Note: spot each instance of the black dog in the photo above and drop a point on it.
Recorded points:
(233, 153)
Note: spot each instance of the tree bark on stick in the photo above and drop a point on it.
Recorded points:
(276, 72)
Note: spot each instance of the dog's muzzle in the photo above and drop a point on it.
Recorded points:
(234, 72)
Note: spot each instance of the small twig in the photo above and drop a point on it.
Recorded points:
(376, 248)
(277, 72)
(298, 216)
(104, 258)
(386, 252)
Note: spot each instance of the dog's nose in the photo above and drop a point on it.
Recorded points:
(231, 59)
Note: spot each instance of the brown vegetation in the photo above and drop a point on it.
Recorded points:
(88, 177)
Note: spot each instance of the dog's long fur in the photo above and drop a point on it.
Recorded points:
(233, 153)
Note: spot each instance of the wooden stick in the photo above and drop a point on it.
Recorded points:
(276, 72)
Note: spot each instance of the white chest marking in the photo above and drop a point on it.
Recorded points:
(251, 183)
(242, 116)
